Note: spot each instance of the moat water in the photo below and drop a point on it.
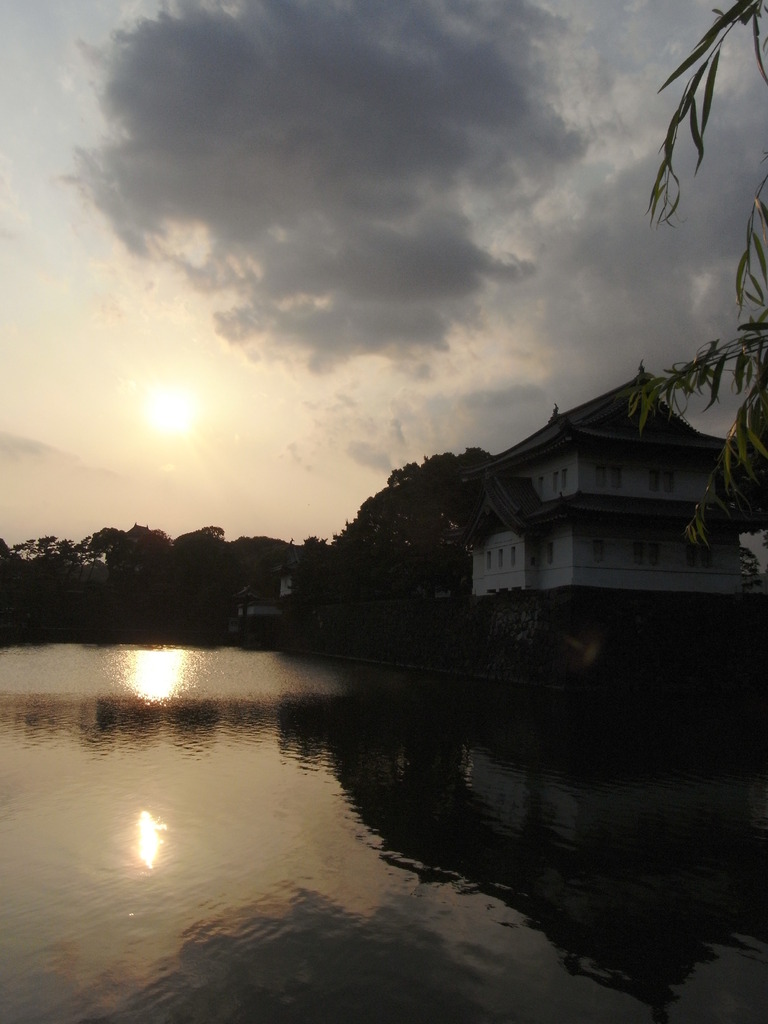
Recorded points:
(234, 836)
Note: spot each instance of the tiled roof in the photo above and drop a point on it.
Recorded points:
(624, 506)
(510, 500)
(605, 418)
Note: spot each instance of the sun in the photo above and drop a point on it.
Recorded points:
(170, 411)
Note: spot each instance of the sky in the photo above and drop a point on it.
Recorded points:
(255, 254)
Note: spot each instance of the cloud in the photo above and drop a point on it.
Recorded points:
(15, 449)
(369, 455)
(334, 157)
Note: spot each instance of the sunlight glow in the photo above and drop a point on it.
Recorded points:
(170, 412)
(149, 839)
(158, 675)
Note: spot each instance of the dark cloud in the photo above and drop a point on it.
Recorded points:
(334, 154)
(15, 448)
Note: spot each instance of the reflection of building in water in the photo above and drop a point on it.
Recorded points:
(619, 810)
(635, 879)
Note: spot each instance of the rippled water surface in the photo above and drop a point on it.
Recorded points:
(222, 835)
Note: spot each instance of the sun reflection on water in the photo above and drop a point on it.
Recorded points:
(149, 837)
(158, 675)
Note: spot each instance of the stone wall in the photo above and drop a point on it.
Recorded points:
(568, 637)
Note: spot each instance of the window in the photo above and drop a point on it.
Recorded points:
(638, 550)
(564, 478)
(600, 476)
(501, 558)
(706, 557)
(487, 559)
(653, 480)
(512, 556)
(597, 550)
(690, 555)
(653, 554)
(550, 553)
(668, 480)
(615, 476)
(541, 485)
(554, 482)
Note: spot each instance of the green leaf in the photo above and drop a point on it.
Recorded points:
(716, 377)
(725, 21)
(760, 253)
(696, 135)
(740, 274)
(709, 90)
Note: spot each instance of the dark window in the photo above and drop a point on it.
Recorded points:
(638, 549)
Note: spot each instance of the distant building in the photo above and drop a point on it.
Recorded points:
(589, 501)
(255, 621)
(288, 568)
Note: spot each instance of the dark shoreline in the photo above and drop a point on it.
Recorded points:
(569, 638)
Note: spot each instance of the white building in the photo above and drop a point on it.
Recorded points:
(590, 501)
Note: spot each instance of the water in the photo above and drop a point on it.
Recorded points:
(236, 836)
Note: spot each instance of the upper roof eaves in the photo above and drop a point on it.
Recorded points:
(604, 418)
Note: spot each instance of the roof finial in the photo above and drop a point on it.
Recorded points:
(641, 369)
(555, 413)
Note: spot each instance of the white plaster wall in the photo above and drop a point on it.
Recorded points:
(560, 572)
(672, 572)
(573, 563)
(688, 484)
(541, 476)
(487, 581)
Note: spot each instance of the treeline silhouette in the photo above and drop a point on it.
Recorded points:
(132, 584)
(139, 584)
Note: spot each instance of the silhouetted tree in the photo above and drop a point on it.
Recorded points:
(403, 542)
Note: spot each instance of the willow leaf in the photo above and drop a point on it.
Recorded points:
(709, 90)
